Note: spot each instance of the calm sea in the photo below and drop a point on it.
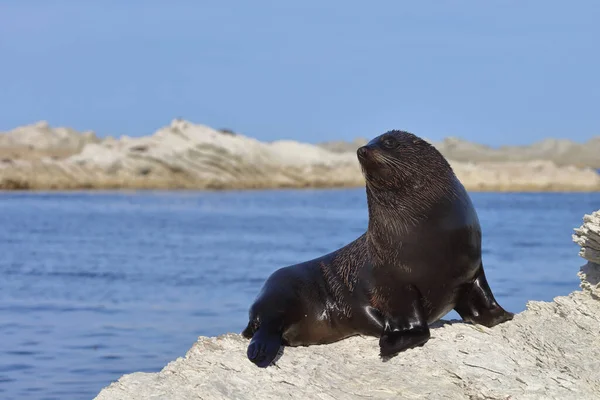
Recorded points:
(93, 286)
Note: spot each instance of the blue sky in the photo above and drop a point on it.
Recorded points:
(495, 72)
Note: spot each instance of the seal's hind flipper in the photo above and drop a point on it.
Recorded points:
(477, 304)
(264, 347)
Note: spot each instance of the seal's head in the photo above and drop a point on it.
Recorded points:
(402, 161)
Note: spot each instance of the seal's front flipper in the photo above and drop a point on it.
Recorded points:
(477, 304)
(264, 346)
(405, 323)
(250, 329)
(392, 343)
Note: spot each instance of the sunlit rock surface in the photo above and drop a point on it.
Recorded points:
(41, 140)
(549, 351)
(588, 237)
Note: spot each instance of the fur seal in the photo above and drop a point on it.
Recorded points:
(419, 259)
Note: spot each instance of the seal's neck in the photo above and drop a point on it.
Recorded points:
(392, 214)
(395, 215)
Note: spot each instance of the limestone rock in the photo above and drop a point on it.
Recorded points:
(340, 146)
(40, 140)
(189, 156)
(549, 351)
(525, 176)
(588, 237)
(184, 155)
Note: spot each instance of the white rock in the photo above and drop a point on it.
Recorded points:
(40, 136)
(187, 155)
(549, 351)
(102, 156)
(588, 236)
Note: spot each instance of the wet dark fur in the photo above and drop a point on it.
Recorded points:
(419, 258)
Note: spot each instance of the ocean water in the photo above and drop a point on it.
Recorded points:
(93, 286)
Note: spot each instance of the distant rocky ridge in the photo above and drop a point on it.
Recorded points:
(41, 140)
(559, 151)
(191, 156)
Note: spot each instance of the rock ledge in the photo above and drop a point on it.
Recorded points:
(549, 351)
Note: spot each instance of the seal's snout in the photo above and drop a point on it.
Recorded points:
(362, 152)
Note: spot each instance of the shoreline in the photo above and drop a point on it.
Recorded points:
(85, 188)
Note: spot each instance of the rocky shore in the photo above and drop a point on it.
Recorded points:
(549, 351)
(189, 156)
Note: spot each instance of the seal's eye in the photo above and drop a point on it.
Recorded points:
(389, 142)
